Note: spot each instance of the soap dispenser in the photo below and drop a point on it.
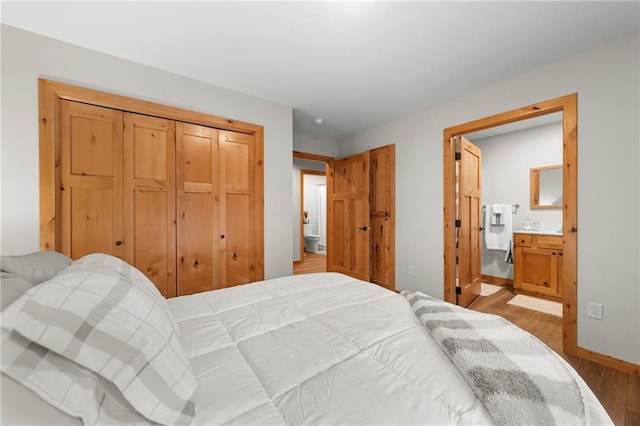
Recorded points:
(526, 223)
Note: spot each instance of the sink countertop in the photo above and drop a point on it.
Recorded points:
(539, 232)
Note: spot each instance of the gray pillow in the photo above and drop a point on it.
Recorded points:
(35, 267)
(11, 288)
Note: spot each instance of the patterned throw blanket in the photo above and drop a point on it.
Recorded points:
(519, 379)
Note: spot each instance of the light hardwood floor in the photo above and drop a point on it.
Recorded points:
(618, 392)
(311, 262)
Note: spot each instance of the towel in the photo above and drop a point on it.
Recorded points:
(497, 214)
(508, 257)
(498, 237)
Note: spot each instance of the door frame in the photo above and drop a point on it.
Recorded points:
(568, 105)
(308, 157)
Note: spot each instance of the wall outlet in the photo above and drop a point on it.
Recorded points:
(595, 310)
(410, 270)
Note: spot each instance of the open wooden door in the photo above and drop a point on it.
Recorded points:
(348, 246)
(468, 163)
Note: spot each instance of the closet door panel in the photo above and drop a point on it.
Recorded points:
(198, 232)
(237, 254)
(90, 191)
(196, 260)
(236, 177)
(91, 220)
(152, 239)
(149, 202)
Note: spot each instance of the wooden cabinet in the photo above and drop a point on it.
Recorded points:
(538, 265)
(179, 201)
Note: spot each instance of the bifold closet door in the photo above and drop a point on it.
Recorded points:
(198, 231)
(117, 189)
(90, 191)
(149, 202)
(215, 227)
(236, 220)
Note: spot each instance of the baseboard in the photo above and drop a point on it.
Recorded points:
(609, 361)
(490, 279)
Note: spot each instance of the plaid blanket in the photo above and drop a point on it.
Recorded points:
(519, 379)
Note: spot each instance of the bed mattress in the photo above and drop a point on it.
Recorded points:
(317, 349)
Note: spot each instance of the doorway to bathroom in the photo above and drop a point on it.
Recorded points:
(313, 195)
(309, 176)
(520, 237)
(453, 226)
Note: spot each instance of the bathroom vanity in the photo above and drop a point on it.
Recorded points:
(538, 264)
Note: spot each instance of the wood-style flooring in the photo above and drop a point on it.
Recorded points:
(618, 392)
(311, 262)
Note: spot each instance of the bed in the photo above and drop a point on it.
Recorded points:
(92, 341)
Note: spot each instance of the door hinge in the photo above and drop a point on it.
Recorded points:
(458, 290)
(458, 223)
(458, 156)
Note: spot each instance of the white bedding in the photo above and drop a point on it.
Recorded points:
(317, 349)
(306, 349)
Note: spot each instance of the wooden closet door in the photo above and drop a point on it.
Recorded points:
(236, 219)
(149, 198)
(198, 205)
(90, 191)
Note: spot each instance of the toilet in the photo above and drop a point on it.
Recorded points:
(310, 240)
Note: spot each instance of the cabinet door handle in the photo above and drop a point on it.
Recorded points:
(364, 228)
(118, 243)
(222, 236)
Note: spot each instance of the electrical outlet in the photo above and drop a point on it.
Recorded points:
(595, 310)
(410, 270)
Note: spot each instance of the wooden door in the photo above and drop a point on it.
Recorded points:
(382, 216)
(90, 189)
(348, 244)
(469, 214)
(198, 205)
(237, 261)
(149, 198)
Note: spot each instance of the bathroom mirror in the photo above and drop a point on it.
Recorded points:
(546, 187)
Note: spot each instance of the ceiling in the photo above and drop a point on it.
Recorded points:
(356, 64)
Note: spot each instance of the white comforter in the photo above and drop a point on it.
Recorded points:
(317, 349)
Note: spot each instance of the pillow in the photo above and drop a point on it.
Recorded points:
(109, 329)
(35, 267)
(65, 385)
(11, 288)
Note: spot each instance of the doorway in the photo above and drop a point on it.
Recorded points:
(313, 198)
(568, 106)
(305, 164)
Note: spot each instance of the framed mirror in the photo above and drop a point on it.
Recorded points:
(546, 187)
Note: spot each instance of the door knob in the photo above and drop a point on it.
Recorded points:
(364, 228)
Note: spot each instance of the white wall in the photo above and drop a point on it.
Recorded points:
(27, 56)
(315, 145)
(607, 82)
(506, 163)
